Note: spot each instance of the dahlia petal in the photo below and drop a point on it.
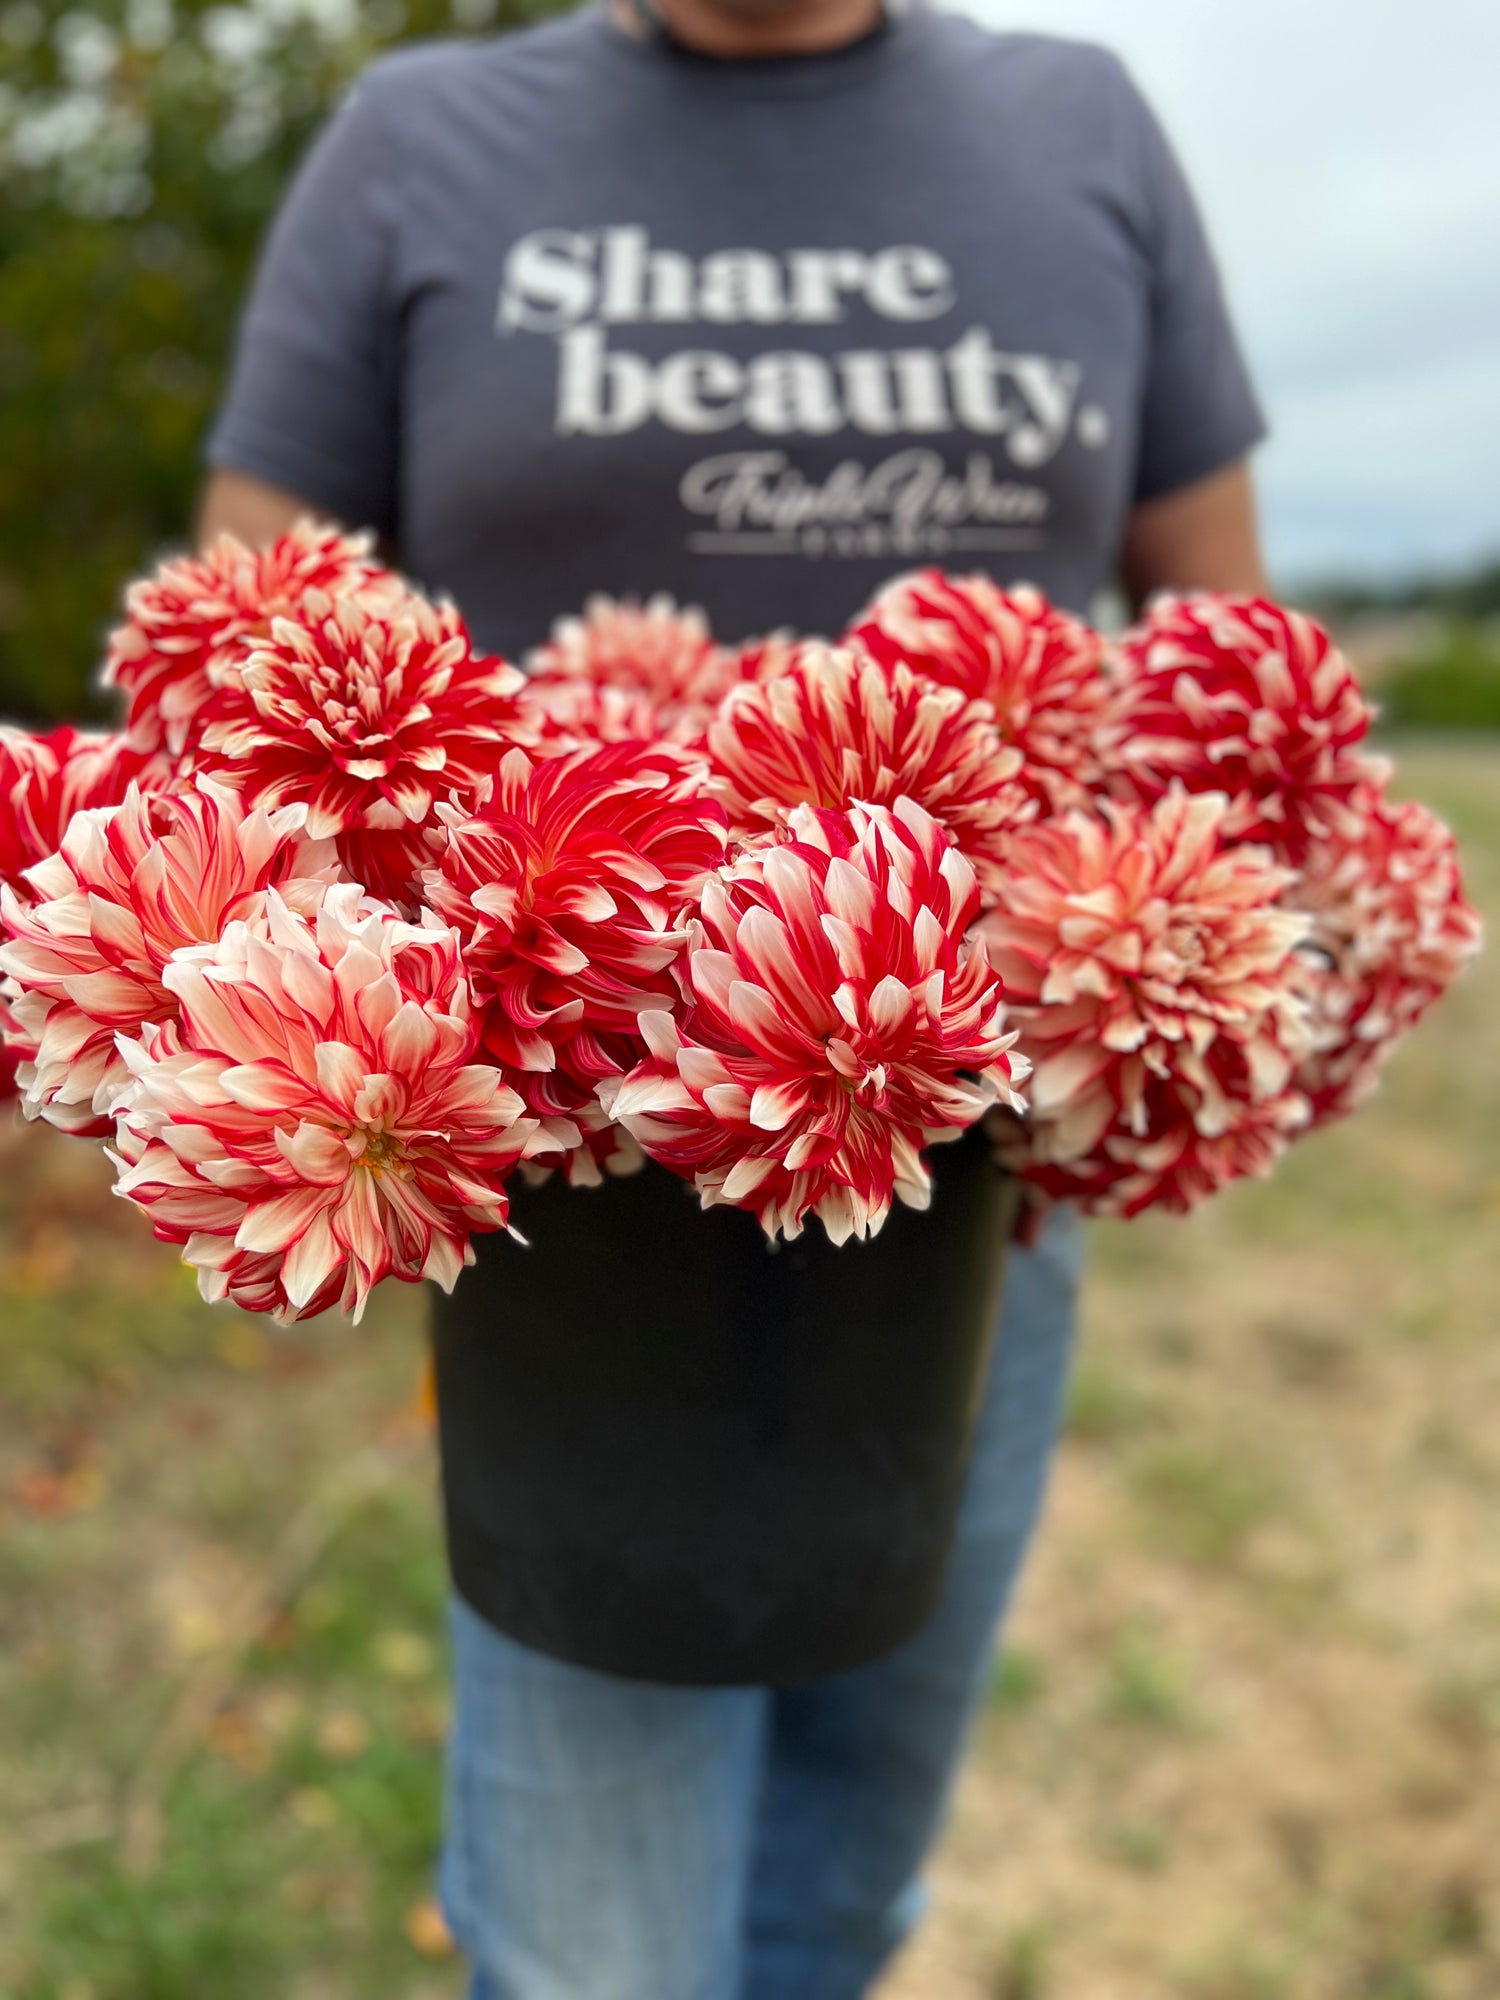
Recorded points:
(409, 1039)
(773, 1106)
(659, 1032)
(340, 1073)
(754, 1015)
(745, 1176)
(446, 1258)
(477, 1085)
(276, 1224)
(315, 1154)
(411, 798)
(310, 1261)
(558, 954)
(262, 1086)
(700, 1069)
(107, 996)
(766, 947)
(890, 1006)
(836, 1211)
(309, 984)
(382, 1102)
(713, 974)
(644, 1095)
(728, 1102)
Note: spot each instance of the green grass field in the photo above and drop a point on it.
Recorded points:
(1244, 1742)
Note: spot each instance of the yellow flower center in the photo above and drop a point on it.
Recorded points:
(382, 1154)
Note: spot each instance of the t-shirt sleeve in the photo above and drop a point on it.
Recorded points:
(311, 403)
(1199, 411)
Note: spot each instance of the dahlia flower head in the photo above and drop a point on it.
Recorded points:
(1041, 671)
(1178, 1160)
(90, 930)
(628, 671)
(834, 1019)
(568, 888)
(1152, 970)
(1237, 695)
(316, 1116)
(369, 714)
(10, 1053)
(44, 780)
(195, 616)
(1391, 931)
(838, 727)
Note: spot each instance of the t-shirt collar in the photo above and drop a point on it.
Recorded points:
(765, 76)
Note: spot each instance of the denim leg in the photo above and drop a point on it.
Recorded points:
(860, 1767)
(598, 1829)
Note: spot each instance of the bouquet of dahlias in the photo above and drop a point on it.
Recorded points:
(351, 920)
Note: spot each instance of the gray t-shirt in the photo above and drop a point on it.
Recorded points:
(562, 312)
(566, 311)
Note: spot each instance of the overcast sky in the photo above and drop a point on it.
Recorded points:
(1346, 154)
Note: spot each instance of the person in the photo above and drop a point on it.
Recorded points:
(753, 302)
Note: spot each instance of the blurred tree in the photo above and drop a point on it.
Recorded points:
(143, 146)
(1454, 684)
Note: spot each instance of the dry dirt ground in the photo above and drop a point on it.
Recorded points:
(1243, 1744)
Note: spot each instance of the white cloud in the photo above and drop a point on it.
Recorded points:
(1346, 154)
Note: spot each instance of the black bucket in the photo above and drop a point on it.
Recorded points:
(674, 1452)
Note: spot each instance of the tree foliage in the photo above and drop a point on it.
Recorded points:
(143, 147)
(1453, 684)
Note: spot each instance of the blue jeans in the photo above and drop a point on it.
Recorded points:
(610, 1839)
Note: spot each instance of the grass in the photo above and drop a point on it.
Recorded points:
(1104, 1404)
(1019, 1683)
(1203, 1501)
(1144, 1685)
(1243, 1740)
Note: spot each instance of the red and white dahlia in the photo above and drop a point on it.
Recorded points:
(836, 1020)
(367, 713)
(196, 615)
(1194, 1138)
(44, 780)
(568, 888)
(579, 715)
(1041, 671)
(391, 863)
(1140, 951)
(626, 669)
(763, 659)
(1391, 932)
(12, 1053)
(92, 928)
(317, 1116)
(577, 712)
(1237, 695)
(837, 727)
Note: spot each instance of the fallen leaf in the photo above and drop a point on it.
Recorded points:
(314, 1808)
(56, 1496)
(43, 1493)
(234, 1737)
(405, 1656)
(344, 1734)
(196, 1628)
(426, 1721)
(427, 1931)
